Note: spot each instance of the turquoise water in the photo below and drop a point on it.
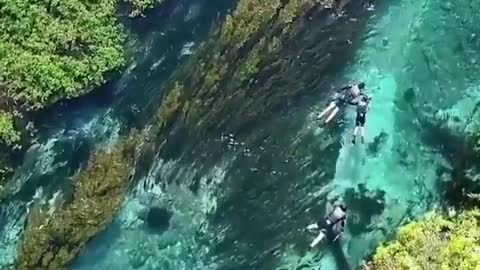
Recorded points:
(247, 207)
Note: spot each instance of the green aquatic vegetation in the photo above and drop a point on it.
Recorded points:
(8, 134)
(171, 104)
(249, 17)
(54, 235)
(250, 66)
(433, 243)
(290, 11)
(214, 73)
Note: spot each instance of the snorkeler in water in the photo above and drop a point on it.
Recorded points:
(363, 105)
(332, 224)
(347, 94)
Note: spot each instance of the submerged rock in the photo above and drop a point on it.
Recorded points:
(157, 218)
(377, 143)
(365, 204)
(409, 95)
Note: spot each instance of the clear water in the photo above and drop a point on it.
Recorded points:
(256, 197)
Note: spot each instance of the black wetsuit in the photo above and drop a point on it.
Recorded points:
(362, 108)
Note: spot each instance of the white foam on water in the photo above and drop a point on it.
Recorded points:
(157, 63)
(187, 48)
(10, 233)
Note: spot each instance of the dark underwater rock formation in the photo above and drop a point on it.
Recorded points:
(157, 218)
(367, 204)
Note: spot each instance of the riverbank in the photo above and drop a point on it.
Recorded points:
(56, 52)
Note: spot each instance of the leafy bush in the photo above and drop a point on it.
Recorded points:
(56, 49)
(433, 243)
(50, 50)
(7, 131)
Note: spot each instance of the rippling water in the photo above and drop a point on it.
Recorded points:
(243, 201)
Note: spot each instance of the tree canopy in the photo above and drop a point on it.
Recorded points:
(52, 49)
(433, 243)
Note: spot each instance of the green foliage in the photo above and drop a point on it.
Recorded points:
(8, 134)
(50, 50)
(54, 236)
(56, 49)
(433, 243)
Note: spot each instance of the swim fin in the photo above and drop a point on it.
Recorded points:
(318, 239)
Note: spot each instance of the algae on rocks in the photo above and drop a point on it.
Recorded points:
(56, 232)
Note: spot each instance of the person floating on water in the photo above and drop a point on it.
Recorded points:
(333, 224)
(347, 94)
(363, 105)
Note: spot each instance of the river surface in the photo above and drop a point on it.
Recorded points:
(248, 199)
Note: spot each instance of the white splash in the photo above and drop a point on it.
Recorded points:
(187, 48)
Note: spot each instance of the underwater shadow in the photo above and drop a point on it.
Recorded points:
(339, 256)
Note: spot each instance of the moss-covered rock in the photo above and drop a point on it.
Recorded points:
(433, 243)
(54, 236)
